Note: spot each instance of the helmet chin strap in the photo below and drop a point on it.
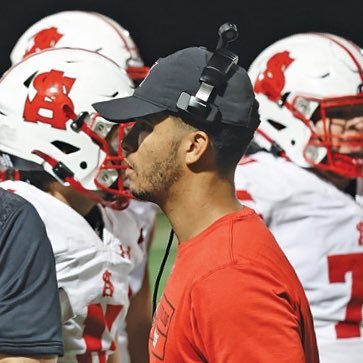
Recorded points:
(119, 202)
(344, 166)
(67, 176)
(274, 147)
(9, 174)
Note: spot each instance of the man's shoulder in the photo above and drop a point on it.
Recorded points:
(10, 203)
(231, 240)
(20, 224)
(251, 236)
(10, 200)
(265, 178)
(253, 244)
(269, 171)
(271, 185)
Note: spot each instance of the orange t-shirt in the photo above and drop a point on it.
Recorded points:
(232, 296)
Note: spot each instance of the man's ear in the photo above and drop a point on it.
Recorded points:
(197, 143)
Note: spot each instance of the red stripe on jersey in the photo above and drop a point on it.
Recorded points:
(95, 324)
(244, 195)
(246, 160)
(339, 266)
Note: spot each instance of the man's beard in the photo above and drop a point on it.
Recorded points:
(159, 179)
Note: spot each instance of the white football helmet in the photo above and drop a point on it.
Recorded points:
(86, 30)
(300, 80)
(47, 119)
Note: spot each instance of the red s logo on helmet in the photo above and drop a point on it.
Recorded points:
(50, 100)
(44, 39)
(272, 81)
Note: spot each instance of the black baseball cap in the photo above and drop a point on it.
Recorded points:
(178, 73)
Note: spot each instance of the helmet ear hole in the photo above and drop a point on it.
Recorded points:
(29, 79)
(64, 147)
(278, 126)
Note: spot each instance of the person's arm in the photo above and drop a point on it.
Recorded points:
(30, 316)
(116, 356)
(65, 304)
(12, 359)
(138, 323)
(241, 314)
(138, 319)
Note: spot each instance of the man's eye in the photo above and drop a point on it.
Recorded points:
(138, 127)
(146, 127)
(145, 131)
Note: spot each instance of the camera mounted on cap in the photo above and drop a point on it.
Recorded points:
(214, 76)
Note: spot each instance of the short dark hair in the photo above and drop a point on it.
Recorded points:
(229, 141)
(40, 179)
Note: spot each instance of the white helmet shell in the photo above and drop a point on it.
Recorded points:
(37, 97)
(80, 29)
(291, 78)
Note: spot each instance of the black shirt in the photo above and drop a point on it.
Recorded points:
(30, 318)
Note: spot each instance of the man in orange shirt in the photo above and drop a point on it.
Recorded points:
(232, 296)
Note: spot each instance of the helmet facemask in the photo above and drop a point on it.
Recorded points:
(311, 102)
(45, 124)
(109, 176)
(336, 126)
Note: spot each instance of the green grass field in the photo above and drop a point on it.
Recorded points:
(157, 250)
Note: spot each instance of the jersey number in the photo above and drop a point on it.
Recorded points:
(339, 265)
(95, 324)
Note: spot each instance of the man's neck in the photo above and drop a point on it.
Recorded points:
(339, 181)
(193, 208)
(73, 198)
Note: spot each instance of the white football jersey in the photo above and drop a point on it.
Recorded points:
(93, 273)
(145, 213)
(320, 229)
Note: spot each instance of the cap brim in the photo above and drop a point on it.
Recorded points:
(124, 109)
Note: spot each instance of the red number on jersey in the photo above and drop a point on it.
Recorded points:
(339, 265)
(95, 325)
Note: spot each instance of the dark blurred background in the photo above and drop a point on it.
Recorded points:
(161, 27)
